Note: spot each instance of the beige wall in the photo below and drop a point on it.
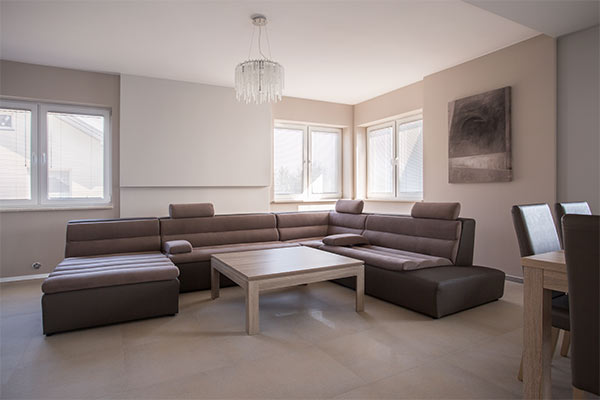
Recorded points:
(292, 109)
(529, 68)
(30, 236)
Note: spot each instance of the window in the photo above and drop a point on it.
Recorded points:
(307, 162)
(53, 155)
(395, 160)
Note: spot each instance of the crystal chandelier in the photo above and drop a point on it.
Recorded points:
(260, 80)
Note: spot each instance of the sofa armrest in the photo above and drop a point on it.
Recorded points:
(345, 239)
(177, 247)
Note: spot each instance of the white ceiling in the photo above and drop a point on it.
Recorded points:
(554, 18)
(340, 51)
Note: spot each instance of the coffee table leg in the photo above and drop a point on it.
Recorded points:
(360, 289)
(252, 326)
(215, 284)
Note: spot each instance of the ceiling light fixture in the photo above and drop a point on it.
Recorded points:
(260, 80)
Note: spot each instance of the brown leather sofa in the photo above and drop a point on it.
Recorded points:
(113, 271)
(422, 262)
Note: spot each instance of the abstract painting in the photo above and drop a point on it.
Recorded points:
(479, 138)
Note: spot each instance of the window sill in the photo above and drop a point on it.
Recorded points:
(304, 201)
(393, 200)
(65, 208)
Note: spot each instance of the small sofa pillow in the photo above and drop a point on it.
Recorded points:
(177, 247)
(345, 239)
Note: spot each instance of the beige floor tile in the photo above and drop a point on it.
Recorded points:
(309, 373)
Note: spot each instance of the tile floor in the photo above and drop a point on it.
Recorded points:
(312, 345)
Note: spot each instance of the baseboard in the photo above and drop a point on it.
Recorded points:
(513, 278)
(23, 278)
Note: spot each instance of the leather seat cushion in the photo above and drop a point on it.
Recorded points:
(77, 273)
(387, 258)
(314, 242)
(204, 253)
(560, 312)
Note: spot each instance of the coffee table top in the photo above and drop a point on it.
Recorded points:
(259, 264)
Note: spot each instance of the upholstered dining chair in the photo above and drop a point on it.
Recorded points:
(581, 235)
(536, 233)
(574, 207)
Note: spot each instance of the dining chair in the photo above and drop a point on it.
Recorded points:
(574, 207)
(536, 234)
(581, 235)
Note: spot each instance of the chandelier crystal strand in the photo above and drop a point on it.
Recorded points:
(260, 80)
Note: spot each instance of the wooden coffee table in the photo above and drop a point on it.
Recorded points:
(278, 268)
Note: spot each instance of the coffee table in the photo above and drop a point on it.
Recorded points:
(278, 268)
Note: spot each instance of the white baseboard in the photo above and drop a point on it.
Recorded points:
(23, 278)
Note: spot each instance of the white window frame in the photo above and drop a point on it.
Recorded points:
(33, 154)
(307, 193)
(39, 149)
(394, 162)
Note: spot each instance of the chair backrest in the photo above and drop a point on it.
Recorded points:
(535, 229)
(575, 207)
(582, 239)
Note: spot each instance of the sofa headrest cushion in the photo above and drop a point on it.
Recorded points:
(349, 206)
(345, 239)
(191, 210)
(449, 211)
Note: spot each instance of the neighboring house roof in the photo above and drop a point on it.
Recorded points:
(81, 125)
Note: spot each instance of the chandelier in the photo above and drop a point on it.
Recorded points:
(260, 80)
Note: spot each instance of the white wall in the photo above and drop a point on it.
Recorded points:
(188, 142)
(578, 147)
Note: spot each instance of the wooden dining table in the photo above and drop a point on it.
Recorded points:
(542, 273)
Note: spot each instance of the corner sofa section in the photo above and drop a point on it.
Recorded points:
(422, 262)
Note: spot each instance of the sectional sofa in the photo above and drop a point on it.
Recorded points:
(422, 262)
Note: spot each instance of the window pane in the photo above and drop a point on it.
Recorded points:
(325, 162)
(15, 154)
(380, 161)
(75, 156)
(410, 158)
(288, 161)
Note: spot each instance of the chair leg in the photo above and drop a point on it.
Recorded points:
(555, 332)
(578, 394)
(520, 375)
(566, 343)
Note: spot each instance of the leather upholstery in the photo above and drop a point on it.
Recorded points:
(349, 206)
(121, 269)
(177, 247)
(204, 253)
(94, 237)
(438, 238)
(387, 258)
(448, 211)
(302, 225)
(221, 229)
(582, 237)
(535, 229)
(191, 210)
(561, 209)
(315, 242)
(345, 239)
(346, 223)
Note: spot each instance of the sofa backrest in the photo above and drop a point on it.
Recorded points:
(298, 225)
(220, 229)
(346, 223)
(108, 236)
(436, 237)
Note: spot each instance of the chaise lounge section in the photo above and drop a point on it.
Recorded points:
(113, 271)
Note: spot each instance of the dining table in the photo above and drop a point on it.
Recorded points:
(542, 273)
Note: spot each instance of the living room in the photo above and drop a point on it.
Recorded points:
(169, 228)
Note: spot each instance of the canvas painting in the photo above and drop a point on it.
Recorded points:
(479, 138)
